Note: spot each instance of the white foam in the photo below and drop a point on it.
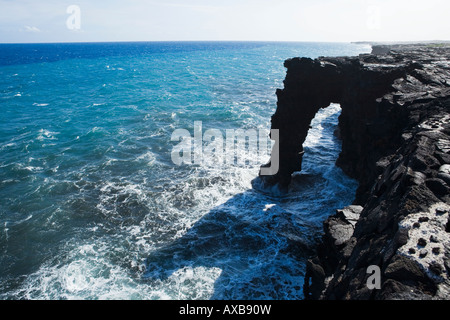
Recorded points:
(8, 145)
(191, 283)
(6, 229)
(89, 273)
(268, 207)
(33, 169)
(45, 134)
(315, 134)
(149, 157)
(111, 191)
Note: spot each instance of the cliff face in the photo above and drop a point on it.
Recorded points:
(395, 131)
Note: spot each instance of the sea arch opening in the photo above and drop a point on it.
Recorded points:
(322, 145)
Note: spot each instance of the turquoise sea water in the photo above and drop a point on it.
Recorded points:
(91, 205)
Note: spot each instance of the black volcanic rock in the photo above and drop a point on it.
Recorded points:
(395, 131)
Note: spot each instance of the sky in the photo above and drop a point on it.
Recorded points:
(24, 21)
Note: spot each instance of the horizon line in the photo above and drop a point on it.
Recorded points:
(369, 42)
(144, 41)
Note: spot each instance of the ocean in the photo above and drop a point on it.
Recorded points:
(92, 205)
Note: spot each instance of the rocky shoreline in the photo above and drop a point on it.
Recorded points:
(395, 131)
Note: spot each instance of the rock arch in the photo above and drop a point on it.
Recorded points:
(364, 124)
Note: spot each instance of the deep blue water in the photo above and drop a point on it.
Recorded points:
(91, 204)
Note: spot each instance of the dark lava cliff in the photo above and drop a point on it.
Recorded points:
(395, 131)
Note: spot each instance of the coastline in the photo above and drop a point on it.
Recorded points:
(396, 143)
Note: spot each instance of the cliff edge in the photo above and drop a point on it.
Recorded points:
(395, 131)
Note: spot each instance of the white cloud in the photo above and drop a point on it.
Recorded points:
(32, 29)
